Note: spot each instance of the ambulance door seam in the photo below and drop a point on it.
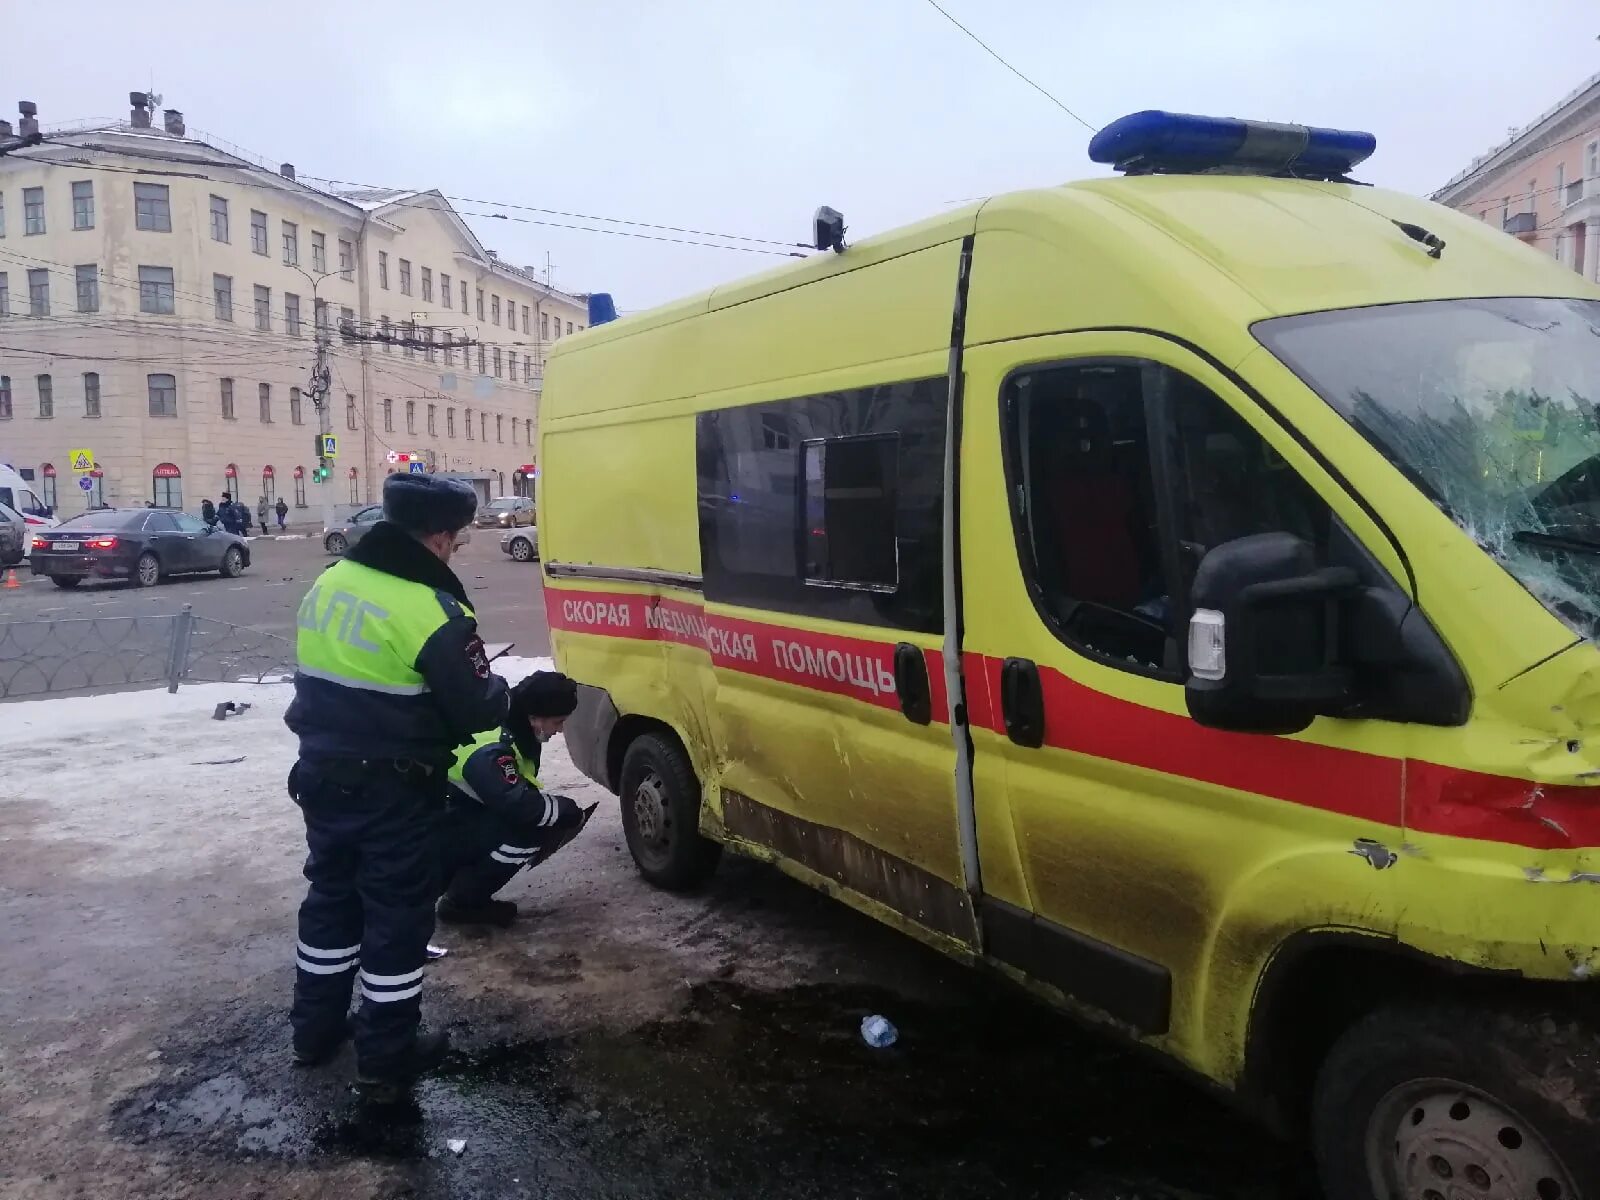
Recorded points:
(954, 627)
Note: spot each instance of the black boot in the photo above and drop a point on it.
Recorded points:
(499, 913)
(315, 1054)
(390, 1083)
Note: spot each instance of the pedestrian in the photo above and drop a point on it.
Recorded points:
(497, 817)
(225, 513)
(392, 677)
(261, 514)
(208, 513)
(283, 514)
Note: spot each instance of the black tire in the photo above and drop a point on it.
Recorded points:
(521, 549)
(336, 543)
(1420, 1101)
(661, 815)
(232, 563)
(66, 581)
(147, 571)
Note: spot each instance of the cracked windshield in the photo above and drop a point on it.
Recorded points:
(1492, 407)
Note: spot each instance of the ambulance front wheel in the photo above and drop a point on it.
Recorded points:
(661, 815)
(1449, 1101)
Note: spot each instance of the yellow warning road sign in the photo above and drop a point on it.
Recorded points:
(81, 460)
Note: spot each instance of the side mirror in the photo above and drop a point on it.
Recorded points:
(1265, 639)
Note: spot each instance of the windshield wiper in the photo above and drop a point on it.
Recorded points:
(1555, 541)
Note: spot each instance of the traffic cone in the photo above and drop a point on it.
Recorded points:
(11, 579)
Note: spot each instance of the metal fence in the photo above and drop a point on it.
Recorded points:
(40, 658)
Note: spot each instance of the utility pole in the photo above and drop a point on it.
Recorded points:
(318, 387)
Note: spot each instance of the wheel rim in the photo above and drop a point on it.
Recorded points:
(149, 571)
(231, 561)
(652, 817)
(521, 551)
(1435, 1139)
(336, 544)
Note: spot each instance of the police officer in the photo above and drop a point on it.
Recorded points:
(499, 819)
(391, 678)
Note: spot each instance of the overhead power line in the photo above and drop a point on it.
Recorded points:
(994, 54)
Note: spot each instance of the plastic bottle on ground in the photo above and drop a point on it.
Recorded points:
(878, 1032)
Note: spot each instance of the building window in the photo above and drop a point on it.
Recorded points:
(5, 295)
(411, 416)
(258, 232)
(499, 428)
(349, 410)
(355, 487)
(497, 362)
(449, 422)
(383, 269)
(347, 259)
(433, 420)
(347, 320)
(152, 207)
(1591, 163)
(88, 288)
(388, 416)
(427, 285)
(319, 251)
(295, 415)
(166, 486)
(408, 337)
(47, 484)
(299, 487)
(480, 304)
(494, 307)
(524, 318)
(2, 216)
(83, 204)
(219, 219)
(469, 424)
(427, 344)
(291, 313)
(47, 396)
(446, 296)
(463, 295)
(5, 398)
(91, 393)
(156, 292)
(227, 400)
(264, 395)
(405, 277)
(544, 327)
(513, 431)
(269, 484)
(449, 350)
(39, 293)
(163, 395)
(482, 360)
(320, 315)
(263, 308)
(32, 210)
(569, 327)
(291, 244)
(222, 296)
(527, 431)
(483, 426)
(386, 334)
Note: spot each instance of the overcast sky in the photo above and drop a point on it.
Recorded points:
(741, 116)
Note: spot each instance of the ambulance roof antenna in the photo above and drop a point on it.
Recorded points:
(828, 230)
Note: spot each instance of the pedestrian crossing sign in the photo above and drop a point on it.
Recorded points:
(330, 446)
(81, 460)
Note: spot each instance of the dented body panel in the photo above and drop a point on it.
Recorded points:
(1133, 865)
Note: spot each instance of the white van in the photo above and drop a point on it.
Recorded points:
(18, 493)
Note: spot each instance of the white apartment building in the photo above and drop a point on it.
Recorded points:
(161, 298)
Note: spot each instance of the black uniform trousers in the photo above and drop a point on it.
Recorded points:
(372, 829)
(483, 848)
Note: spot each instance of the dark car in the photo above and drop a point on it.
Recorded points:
(138, 544)
(15, 536)
(506, 512)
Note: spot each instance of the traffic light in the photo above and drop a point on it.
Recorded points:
(320, 472)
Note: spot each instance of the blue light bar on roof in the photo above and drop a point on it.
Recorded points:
(1177, 143)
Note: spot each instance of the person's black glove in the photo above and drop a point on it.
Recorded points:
(569, 816)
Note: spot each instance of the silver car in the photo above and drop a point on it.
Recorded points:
(341, 535)
(521, 544)
(506, 512)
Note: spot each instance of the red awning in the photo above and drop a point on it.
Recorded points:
(266, 472)
(299, 472)
(167, 471)
(529, 469)
(231, 471)
(49, 471)
(352, 472)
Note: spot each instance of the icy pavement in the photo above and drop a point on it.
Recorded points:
(616, 1042)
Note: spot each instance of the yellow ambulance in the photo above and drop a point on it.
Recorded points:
(1176, 592)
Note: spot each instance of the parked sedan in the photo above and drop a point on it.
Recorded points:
(521, 544)
(340, 536)
(508, 512)
(141, 545)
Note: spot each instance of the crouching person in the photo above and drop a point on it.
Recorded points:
(498, 819)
